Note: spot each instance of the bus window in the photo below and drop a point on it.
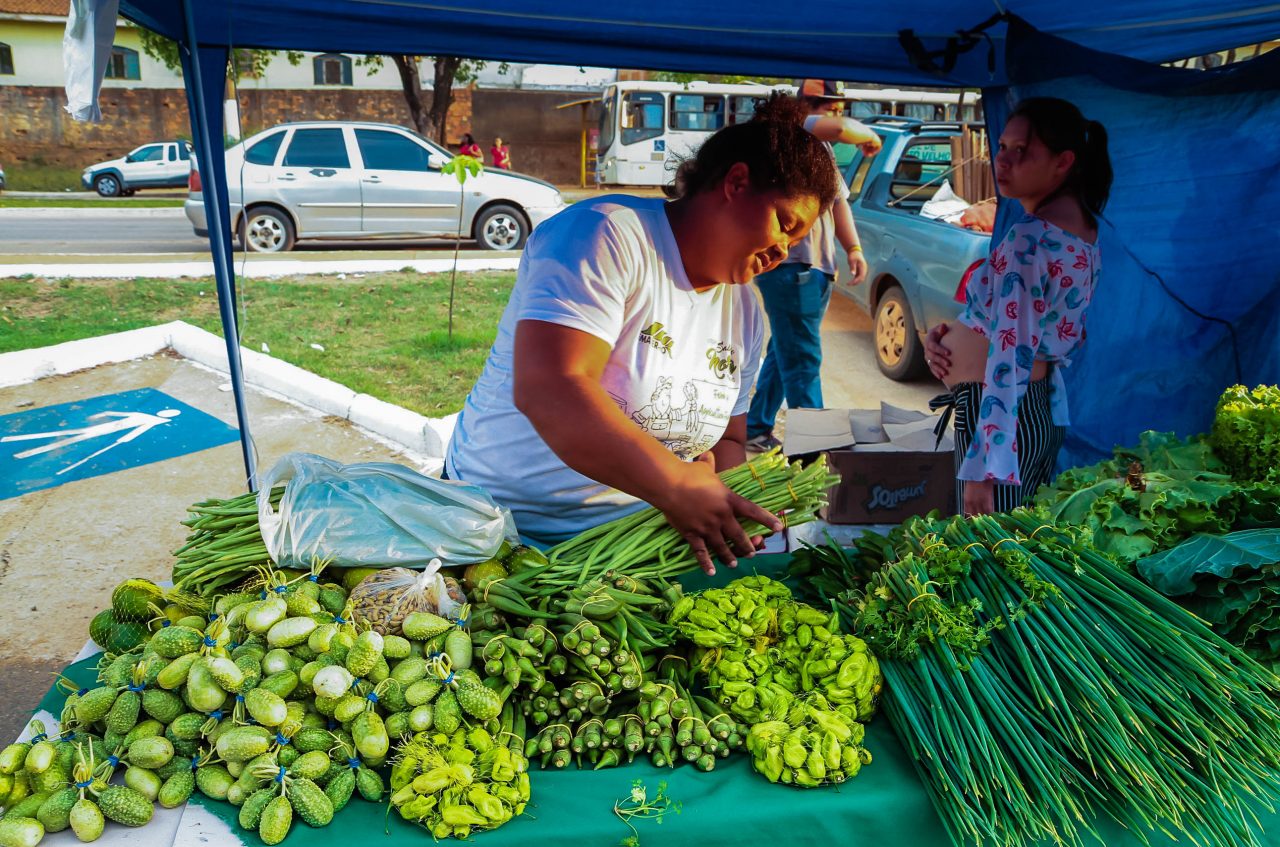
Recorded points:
(742, 108)
(641, 116)
(608, 119)
(921, 111)
(697, 112)
(867, 108)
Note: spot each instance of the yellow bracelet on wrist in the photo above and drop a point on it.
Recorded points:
(857, 248)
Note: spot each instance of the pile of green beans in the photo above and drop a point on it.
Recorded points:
(225, 545)
(644, 546)
(1036, 685)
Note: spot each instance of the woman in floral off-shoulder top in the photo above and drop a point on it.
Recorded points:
(1024, 315)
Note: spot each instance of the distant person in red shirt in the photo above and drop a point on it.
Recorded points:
(500, 154)
(471, 148)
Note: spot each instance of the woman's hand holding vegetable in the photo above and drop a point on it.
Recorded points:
(708, 515)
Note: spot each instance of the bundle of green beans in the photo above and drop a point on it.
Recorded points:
(225, 545)
(644, 546)
(1036, 685)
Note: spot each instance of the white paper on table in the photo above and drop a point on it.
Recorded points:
(866, 427)
(890, 414)
(814, 430)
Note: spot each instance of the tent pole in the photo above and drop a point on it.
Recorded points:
(217, 219)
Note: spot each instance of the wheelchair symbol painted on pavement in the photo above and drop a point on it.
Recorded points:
(131, 424)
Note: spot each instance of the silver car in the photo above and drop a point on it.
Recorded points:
(350, 180)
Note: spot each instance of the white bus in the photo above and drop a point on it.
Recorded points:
(648, 128)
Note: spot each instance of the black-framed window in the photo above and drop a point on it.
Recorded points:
(6, 59)
(332, 69)
(317, 148)
(263, 151)
(742, 107)
(391, 151)
(641, 116)
(123, 64)
(697, 112)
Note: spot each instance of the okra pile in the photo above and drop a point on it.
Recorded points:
(784, 669)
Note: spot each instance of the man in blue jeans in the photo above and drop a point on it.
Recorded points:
(796, 292)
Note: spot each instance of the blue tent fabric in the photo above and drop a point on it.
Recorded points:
(1189, 299)
(851, 41)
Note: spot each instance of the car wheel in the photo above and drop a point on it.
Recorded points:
(266, 230)
(899, 351)
(501, 228)
(108, 185)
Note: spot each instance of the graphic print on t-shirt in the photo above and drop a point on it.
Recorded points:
(655, 335)
(679, 419)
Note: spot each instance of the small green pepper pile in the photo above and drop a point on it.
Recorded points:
(454, 785)
(784, 668)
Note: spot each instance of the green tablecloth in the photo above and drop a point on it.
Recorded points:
(884, 806)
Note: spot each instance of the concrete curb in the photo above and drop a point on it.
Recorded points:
(110, 212)
(417, 434)
(251, 269)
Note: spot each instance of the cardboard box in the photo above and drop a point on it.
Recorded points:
(890, 465)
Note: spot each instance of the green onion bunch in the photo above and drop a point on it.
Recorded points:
(225, 544)
(644, 546)
(1036, 684)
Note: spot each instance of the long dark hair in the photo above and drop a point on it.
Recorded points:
(467, 138)
(1061, 126)
(779, 153)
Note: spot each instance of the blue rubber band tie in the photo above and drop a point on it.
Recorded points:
(84, 784)
(282, 741)
(233, 644)
(36, 739)
(262, 595)
(448, 679)
(339, 619)
(166, 623)
(280, 776)
(213, 616)
(313, 578)
(216, 714)
(82, 692)
(195, 762)
(239, 698)
(462, 622)
(70, 736)
(113, 760)
(279, 589)
(209, 642)
(137, 689)
(353, 763)
(372, 696)
(333, 724)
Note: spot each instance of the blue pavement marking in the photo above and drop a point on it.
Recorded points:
(41, 448)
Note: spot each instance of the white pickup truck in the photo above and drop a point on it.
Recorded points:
(162, 164)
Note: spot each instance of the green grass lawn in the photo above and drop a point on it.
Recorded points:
(383, 334)
(91, 202)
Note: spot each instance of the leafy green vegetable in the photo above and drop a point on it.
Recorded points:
(1151, 497)
(1246, 432)
(1173, 572)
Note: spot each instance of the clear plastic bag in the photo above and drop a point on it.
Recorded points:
(376, 514)
(385, 598)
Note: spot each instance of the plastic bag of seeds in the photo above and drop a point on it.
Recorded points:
(385, 598)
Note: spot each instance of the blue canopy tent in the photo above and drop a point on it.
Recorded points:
(1195, 152)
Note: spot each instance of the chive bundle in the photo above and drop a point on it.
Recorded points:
(644, 546)
(1035, 685)
(225, 544)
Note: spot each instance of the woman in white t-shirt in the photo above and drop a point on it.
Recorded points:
(624, 361)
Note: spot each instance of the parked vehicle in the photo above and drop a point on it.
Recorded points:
(163, 164)
(914, 263)
(352, 180)
(2, 183)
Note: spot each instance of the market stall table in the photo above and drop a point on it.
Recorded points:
(885, 805)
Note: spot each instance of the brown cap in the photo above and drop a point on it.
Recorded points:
(823, 89)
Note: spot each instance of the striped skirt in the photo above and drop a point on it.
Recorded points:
(1039, 440)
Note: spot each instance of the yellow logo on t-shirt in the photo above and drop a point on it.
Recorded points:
(721, 359)
(655, 335)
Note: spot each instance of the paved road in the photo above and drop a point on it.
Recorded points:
(160, 231)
